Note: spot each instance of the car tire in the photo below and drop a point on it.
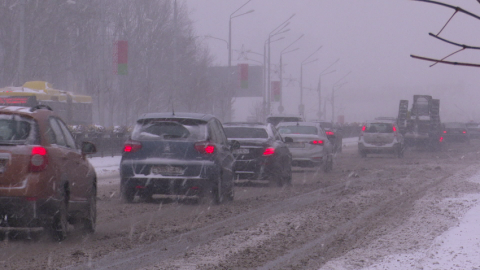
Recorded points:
(127, 193)
(218, 193)
(60, 220)
(230, 191)
(287, 175)
(328, 165)
(90, 221)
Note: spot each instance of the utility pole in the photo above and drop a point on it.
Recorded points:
(21, 45)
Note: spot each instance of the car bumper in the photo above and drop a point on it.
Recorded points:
(372, 148)
(27, 211)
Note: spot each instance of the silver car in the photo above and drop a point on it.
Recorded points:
(380, 137)
(310, 146)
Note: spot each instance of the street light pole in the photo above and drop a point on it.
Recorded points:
(278, 30)
(282, 52)
(230, 30)
(319, 88)
(338, 86)
(301, 107)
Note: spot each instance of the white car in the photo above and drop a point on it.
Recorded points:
(310, 146)
(380, 137)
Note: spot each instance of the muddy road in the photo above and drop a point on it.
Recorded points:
(364, 209)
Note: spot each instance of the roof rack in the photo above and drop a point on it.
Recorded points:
(40, 106)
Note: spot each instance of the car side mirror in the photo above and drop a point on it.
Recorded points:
(234, 144)
(288, 140)
(88, 148)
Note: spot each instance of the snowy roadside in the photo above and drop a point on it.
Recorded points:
(106, 166)
(458, 247)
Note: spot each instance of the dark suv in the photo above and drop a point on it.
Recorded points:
(177, 154)
(45, 179)
(263, 154)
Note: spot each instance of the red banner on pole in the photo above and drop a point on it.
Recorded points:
(121, 57)
(276, 92)
(243, 75)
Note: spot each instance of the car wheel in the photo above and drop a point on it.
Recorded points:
(60, 220)
(328, 165)
(90, 221)
(230, 192)
(128, 193)
(287, 176)
(218, 192)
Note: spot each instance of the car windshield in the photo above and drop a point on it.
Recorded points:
(16, 129)
(245, 132)
(298, 130)
(160, 129)
(454, 125)
(275, 120)
(379, 128)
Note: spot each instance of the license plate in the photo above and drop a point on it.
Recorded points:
(167, 170)
(296, 145)
(241, 151)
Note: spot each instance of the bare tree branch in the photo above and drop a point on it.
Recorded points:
(459, 9)
(445, 62)
(454, 43)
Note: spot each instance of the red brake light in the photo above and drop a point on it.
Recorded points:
(444, 131)
(441, 139)
(394, 129)
(269, 151)
(317, 142)
(464, 132)
(38, 159)
(363, 128)
(205, 147)
(329, 132)
(131, 146)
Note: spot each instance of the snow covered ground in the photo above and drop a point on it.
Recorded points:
(456, 248)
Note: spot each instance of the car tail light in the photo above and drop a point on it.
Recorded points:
(269, 151)
(317, 142)
(394, 129)
(441, 139)
(464, 132)
(363, 128)
(131, 146)
(329, 133)
(444, 131)
(205, 147)
(38, 159)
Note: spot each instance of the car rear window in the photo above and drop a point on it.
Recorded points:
(298, 130)
(16, 129)
(170, 129)
(455, 125)
(245, 132)
(379, 128)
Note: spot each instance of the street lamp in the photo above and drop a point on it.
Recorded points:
(221, 39)
(282, 52)
(278, 30)
(230, 30)
(306, 61)
(337, 85)
(319, 87)
(265, 82)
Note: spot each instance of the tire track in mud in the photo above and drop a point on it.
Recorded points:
(351, 231)
(153, 253)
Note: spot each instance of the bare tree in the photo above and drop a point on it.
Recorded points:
(437, 36)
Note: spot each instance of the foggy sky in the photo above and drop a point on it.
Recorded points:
(372, 38)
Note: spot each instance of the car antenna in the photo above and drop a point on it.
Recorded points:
(173, 108)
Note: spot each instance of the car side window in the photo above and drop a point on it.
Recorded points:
(68, 136)
(276, 134)
(212, 134)
(220, 132)
(58, 139)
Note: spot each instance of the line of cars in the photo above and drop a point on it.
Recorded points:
(193, 154)
(47, 182)
(383, 136)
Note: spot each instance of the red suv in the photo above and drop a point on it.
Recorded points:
(45, 179)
